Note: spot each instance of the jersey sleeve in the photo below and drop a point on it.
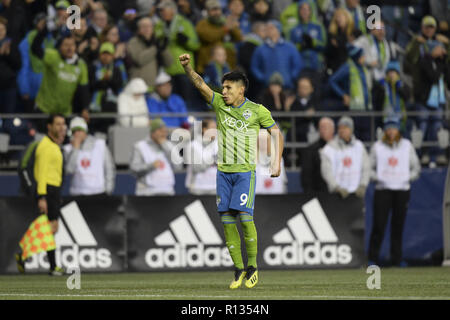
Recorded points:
(265, 118)
(51, 57)
(216, 101)
(84, 78)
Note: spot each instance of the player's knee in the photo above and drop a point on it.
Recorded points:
(227, 218)
(245, 217)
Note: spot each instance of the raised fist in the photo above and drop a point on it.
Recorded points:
(185, 59)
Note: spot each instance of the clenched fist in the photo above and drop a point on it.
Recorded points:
(184, 59)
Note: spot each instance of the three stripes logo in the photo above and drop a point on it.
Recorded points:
(76, 245)
(308, 239)
(191, 240)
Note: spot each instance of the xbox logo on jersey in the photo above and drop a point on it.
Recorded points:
(185, 246)
(77, 246)
(309, 239)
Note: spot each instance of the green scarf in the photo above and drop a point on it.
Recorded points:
(356, 88)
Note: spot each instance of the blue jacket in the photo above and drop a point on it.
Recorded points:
(174, 104)
(28, 81)
(340, 81)
(282, 57)
(312, 56)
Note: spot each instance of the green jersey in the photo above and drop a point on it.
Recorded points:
(238, 129)
(59, 83)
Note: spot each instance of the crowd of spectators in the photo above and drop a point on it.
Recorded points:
(302, 55)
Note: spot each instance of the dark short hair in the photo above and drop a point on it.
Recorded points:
(235, 76)
(51, 118)
(60, 40)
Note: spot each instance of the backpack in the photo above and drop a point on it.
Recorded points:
(28, 183)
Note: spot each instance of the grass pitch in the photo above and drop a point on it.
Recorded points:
(396, 283)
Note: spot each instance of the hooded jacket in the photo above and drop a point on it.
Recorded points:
(133, 112)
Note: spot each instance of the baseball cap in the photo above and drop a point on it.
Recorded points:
(346, 121)
(155, 124)
(78, 123)
(166, 4)
(276, 78)
(393, 65)
(162, 78)
(212, 4)
(391, 122)
(429, 21)
(62, 4)
(354, 52)
(107, 47)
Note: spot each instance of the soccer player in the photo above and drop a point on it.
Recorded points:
(238, 122)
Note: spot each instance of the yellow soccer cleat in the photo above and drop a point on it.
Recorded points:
(239, 275)
(252, 277)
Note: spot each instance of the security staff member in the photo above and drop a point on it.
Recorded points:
(49, 173)
(394, 165)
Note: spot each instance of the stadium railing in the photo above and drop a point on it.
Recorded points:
(291, 143)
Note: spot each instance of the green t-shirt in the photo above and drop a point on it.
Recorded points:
(59, 83)
(238, 129)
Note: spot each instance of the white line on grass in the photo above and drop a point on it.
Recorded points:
(219, 296)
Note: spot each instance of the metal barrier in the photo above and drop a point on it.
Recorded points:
(292, 145)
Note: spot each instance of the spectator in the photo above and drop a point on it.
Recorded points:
(64, 74)
(376, 51)
(153, 164)
(181, 37)
(216, 68)
(14, 12)
(215, 30)
(276, 55)
(82, 38)
(311, 177)
(340, 33)
(164, 101)
(274, 97)
(305, 101)
(127, 24)
(394, 166)
(132, 107)
(188, 9)
(264, 183)
(353, 84)
(260, 10)
(236, 10)
(247, 48)
(290, 17)
(395, 95)
(202, 160)
(310, 38)
(427, 60)
(9, 65)
(278, 7)
(145, 7)
(344, 163)
(111, 34)
(89, 161)
(105, 81)
(357, 13)
(59, 26)
(98, 23)
(144, 51)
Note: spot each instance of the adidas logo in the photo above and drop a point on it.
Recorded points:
(308, 239)
(192, 240)
(72, 234)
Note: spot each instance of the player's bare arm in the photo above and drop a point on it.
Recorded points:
(195, 78)
(276, 133)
